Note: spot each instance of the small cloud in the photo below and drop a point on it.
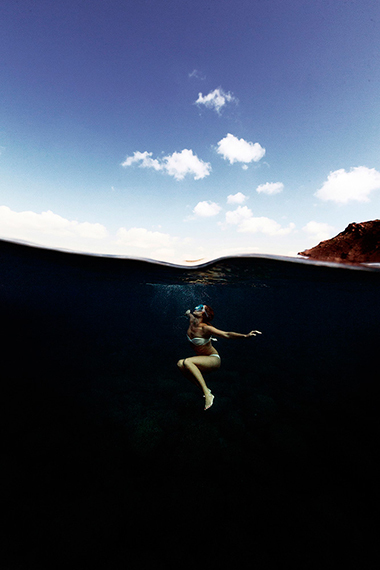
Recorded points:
(143, 238)
(319, 230)
(206, 209)
(145, 160)
(265, 226)
(237, 216)
(238, 198)
(178, 164)
(270, 188)
(196, 74)
(215, 99)
(239, 150)
(356, 185)
(246, 223)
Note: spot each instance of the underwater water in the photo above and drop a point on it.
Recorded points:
(108, 456)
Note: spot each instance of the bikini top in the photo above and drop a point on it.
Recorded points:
(198, 341)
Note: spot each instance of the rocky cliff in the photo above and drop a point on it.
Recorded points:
(358, 243)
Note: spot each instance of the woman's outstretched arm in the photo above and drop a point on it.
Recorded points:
(225, 334)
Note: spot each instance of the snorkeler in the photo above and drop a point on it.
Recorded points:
(207, 358)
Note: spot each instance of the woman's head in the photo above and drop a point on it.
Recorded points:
(207, 312)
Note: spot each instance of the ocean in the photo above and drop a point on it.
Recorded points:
(108, 456)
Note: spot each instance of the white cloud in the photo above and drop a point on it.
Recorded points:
(238, 198)
(319, 230)
(177, 164)
(28, 225)
(215, 99)
(143, 238)
(265, 226)
(206, 209)
(246, 223)
(239, 150)
(355, 185)
(197, 74)
(145, 160)
(141, 242)
(237, 216)
(181, 163)
(270, 188)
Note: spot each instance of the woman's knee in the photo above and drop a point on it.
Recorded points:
(184, 364)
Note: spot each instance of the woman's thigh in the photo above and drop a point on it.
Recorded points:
(204, 363)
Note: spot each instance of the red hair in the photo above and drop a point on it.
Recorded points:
(209, 313)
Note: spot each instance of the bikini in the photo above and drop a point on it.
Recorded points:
(198, 341)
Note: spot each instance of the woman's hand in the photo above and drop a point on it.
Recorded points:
(253, 333)
(188, 312)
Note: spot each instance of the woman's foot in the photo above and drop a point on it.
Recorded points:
(209, 400)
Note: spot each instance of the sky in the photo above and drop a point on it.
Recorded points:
(183, 131)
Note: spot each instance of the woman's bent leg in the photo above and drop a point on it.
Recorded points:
(187, 374)
(194, 365)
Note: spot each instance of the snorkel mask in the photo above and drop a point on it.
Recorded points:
(201, 308)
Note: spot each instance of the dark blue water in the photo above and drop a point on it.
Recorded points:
(108, 453)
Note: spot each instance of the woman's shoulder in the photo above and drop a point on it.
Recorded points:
(200, 330)
(211, 330)
(206, 329)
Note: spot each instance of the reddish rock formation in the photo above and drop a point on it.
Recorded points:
(358, 243)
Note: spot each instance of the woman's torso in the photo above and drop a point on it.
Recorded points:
(197, 333)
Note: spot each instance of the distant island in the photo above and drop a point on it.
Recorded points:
(358, 243)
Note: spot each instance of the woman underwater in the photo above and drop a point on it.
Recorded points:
(207, 358)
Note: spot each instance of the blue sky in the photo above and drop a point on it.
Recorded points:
(181, 130)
